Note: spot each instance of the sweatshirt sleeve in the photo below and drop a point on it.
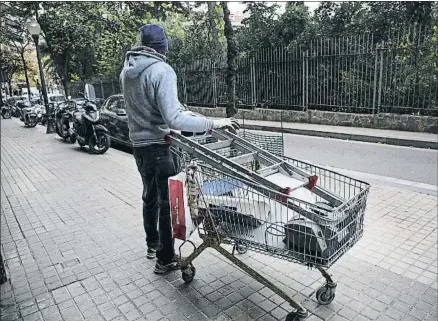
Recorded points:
(167, 100)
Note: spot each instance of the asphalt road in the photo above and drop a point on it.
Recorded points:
(406, 163)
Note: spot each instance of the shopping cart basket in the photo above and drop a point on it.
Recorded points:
(269, 203)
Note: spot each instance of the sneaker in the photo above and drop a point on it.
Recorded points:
(161, 268)
(151, 254)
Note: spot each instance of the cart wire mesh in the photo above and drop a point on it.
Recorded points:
(301, 227)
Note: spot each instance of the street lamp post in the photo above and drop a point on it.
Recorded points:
(35, 29)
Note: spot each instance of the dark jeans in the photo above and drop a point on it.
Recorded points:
(156, 164)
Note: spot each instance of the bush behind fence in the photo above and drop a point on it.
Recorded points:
(348, 74)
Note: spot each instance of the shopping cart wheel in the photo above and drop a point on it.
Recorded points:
(241, 248)
(297, 316)
(325, 295)
(188, 274)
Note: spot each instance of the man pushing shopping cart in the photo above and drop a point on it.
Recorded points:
(231, 189)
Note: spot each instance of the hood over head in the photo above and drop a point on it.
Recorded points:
(140, 58)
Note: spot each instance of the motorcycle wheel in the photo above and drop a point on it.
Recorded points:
(101, 145)
(72, 139)
(58, 131)
(6, 114)
(32, 122)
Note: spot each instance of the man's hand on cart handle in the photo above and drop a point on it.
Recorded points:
(227, 123)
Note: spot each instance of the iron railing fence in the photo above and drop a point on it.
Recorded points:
(353, 74)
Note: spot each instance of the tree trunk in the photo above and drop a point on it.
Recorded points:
(25, 73)
(65, 85)
(65, 80)
(231, 62)
(10, 88)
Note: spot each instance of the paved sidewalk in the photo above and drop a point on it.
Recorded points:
(73, 243)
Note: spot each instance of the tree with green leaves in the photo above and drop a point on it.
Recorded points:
(88, 39)
(10, 65)
(259, 28)
(17, 40)
(118, 29)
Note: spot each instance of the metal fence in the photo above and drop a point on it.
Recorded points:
(103, 87)
(349, 74)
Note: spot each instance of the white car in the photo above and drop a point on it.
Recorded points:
(56, 98)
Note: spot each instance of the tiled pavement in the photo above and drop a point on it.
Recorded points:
(73, 243)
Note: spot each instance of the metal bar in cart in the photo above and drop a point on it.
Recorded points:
(288, 168)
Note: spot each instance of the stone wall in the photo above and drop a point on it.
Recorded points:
(411, 123)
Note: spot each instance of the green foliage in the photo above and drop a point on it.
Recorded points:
(259, 28)
(89, 39)
(82, 40)
(10, 65)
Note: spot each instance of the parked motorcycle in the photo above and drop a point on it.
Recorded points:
(64, 120)
(29, 116)
(88, 130)
(39, 111)
(6, 111)
(16, 109)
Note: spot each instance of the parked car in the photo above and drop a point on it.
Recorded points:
(113, 117)
(56, 98)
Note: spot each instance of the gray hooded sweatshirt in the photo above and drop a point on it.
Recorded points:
(151, 99)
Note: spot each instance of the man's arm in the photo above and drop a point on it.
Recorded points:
(170, 108)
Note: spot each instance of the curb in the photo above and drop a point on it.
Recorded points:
(344, 136)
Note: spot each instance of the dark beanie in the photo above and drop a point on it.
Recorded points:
(153, 36)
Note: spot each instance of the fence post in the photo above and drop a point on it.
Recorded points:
(378, 72)
(214, 83)
(253, 82)
(375, 80)
(379, 95)
(305, 79)
(243, 124)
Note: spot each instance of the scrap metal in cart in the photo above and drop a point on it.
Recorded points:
(242, 194)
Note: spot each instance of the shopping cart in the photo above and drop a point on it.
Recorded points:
(244, 195)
